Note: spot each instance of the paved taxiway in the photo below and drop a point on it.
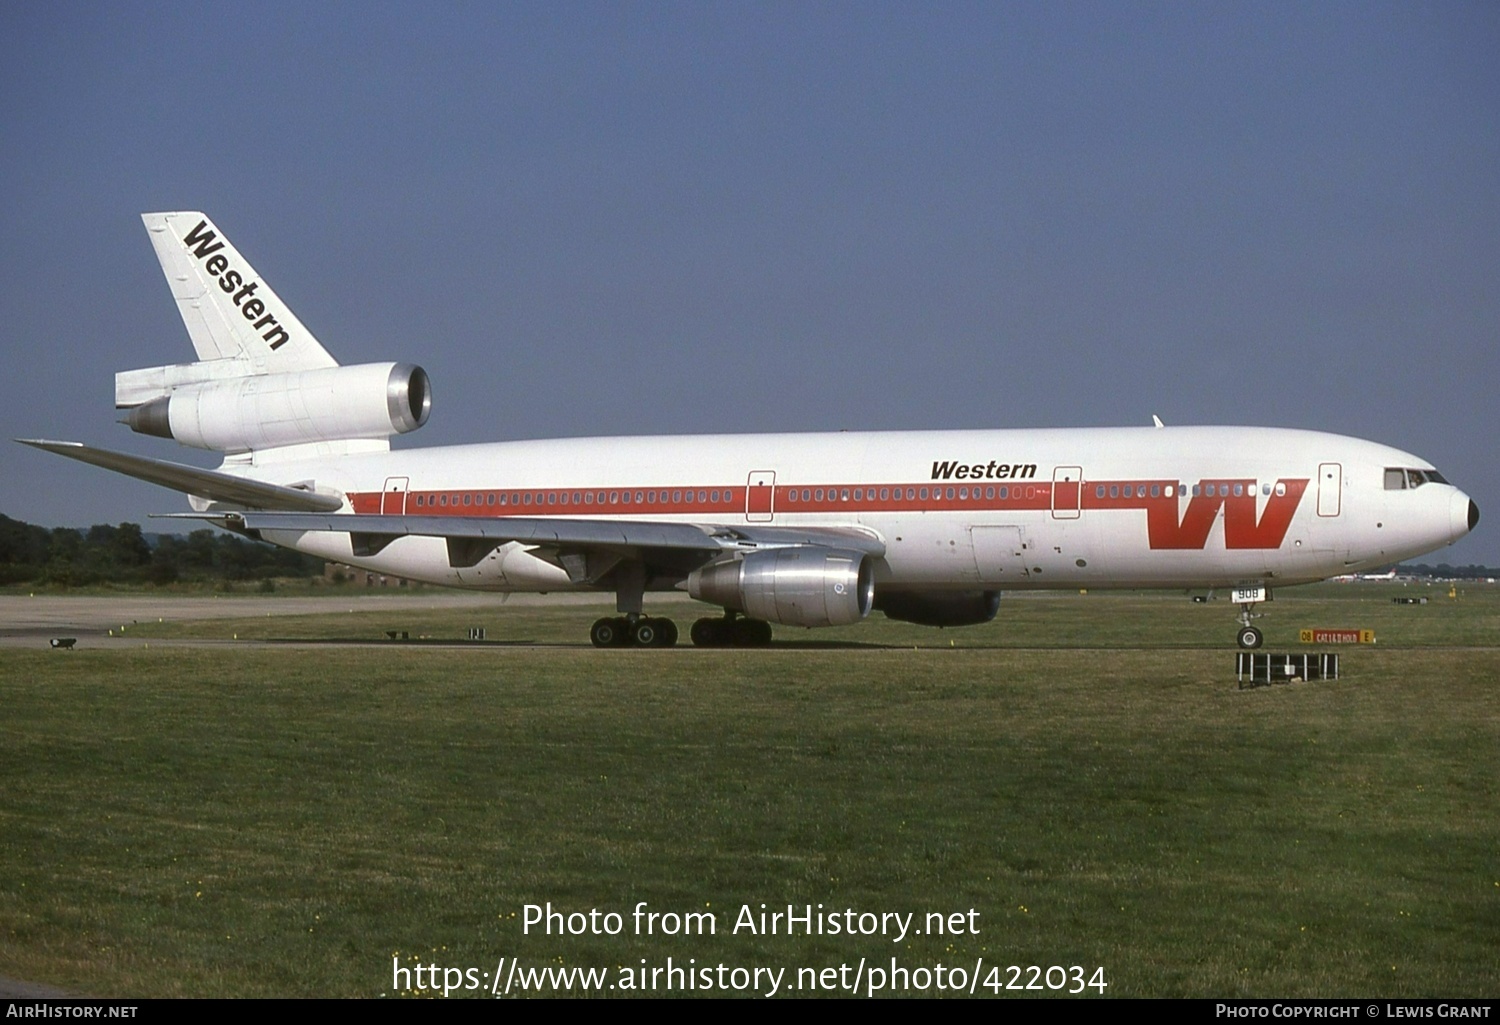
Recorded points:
(29, 622)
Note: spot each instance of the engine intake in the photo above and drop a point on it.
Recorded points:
(240, 414)
(800, 586)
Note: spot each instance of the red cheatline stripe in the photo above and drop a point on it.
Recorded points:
(679, 501)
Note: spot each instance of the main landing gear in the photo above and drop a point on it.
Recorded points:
(651, 632)
(633, 631)
(731, 632)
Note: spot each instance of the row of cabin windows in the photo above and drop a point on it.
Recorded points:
(1168, 490)
(710, 497)
(896, 494)
(716, 496)
(525, 498)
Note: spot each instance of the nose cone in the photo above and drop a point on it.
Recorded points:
(1463, 516)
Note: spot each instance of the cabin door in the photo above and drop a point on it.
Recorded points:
(393, 497)
(1330, 488)
(760, 496)
(1067, 492)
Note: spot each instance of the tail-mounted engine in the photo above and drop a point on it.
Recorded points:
(798, 586)
(238, 413)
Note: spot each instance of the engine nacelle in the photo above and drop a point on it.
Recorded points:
(372, 400)
(939, 608)
(801, 586)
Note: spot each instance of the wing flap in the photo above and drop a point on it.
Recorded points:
(859, 539)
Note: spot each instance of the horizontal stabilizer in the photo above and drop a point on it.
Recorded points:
(193, 480)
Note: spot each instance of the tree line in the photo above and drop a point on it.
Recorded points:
(123, 554)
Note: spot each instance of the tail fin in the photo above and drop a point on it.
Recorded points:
(262, 382)
(229, 311)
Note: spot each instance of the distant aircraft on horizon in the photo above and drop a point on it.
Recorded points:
(806, 530)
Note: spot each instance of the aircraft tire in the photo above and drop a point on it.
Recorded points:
(1250, 637)
(751, 633)
(605, 633)
(667, 633)
(647, 633)
(708, 633)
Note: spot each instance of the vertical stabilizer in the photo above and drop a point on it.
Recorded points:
(229, 310)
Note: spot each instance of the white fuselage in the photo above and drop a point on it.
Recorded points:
(956, 510)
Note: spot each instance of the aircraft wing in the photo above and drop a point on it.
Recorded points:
(584, 548)
(194, 480)
(534, 530)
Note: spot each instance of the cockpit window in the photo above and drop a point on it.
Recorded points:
(1402, 479)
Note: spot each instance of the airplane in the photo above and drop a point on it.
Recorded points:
(809, 530)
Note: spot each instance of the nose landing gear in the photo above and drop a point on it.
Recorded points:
(1249, 637)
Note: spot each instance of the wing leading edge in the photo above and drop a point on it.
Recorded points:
(193, 480)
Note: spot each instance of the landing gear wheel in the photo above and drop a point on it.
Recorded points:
(709, 633)
(751, 633)
(646, 634)
(1249, 637)
(666, 633)
(608, 632)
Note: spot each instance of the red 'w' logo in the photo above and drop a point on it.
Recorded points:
(1241, 529)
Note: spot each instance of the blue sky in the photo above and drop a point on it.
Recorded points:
(653, 218)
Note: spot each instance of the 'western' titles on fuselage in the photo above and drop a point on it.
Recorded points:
(983, 471)
(217, 264)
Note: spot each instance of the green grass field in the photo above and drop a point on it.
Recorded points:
(234, 820)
